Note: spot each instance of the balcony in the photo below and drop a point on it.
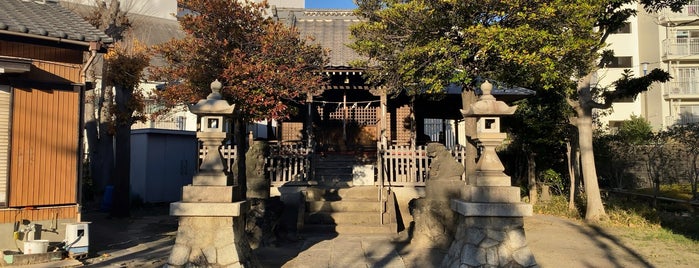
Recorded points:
(682, 90)
(681, 49)
(687, 17)
(179, 123)
(682, 119)
(173, 120)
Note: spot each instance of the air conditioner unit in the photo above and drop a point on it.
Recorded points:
(77, 238)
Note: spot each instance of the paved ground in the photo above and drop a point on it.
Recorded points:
(145, 241)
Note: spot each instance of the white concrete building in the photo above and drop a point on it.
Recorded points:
(625, 45)
(665, 40)
(680, 56)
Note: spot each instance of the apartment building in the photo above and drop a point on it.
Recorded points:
(667, 40)
(680, 56)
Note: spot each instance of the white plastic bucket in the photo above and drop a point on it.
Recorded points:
(36, 246)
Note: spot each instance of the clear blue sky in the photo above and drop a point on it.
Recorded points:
(345, 4)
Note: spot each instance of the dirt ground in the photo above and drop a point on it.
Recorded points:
(145, 239)
(558, 242)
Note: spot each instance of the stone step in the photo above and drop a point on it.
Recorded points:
(344, 206)
(390, 228)
(358, 193)
(334, 182)
(329, 176)
(342, 218)
(336, 164)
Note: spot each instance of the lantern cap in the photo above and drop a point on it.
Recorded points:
(214, 104)
(487, 105)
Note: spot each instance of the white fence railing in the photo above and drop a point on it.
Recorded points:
(691, 9)
(683, 87)
(677, 47)
(682, 119)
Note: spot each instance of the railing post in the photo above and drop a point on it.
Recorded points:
(379, 158)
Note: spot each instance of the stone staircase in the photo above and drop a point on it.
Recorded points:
(334, 169)
(337, 204)
(349, 210)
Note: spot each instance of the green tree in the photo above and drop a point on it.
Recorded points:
(263, 64)
(110, 111)
(421, 46)
(688, 137)
(658, 160)
(584, 98)
(636, 130)
(124, 66)
(539, 129)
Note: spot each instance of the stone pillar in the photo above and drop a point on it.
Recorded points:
(490, 228)
(255, 174)
(211, 226)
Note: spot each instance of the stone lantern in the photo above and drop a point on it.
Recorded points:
(490, 229)
(488, 110)
(211, 226)
(215, 117)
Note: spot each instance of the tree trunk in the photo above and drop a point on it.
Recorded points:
(469, 97)
(595, 209)
(531, 178)
(99, 145)
(572, 161)
(695, 176)
(122, 154)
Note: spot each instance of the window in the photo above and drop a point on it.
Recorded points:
(686, 81)
(626, 28)
(689, 114)
(626, 99)
(619, 62)
(614, 126)
(5, 118)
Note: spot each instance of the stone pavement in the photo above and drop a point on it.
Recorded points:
(146, 239)
(335, 251)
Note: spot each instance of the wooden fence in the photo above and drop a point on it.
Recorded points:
(287, 163)
(402, 166)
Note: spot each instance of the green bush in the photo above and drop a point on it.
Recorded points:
(557, 206)
(553, 179)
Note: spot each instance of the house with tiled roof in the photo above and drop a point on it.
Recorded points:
(45, 52)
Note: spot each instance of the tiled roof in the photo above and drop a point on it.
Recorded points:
(46, 18)
(330, 28)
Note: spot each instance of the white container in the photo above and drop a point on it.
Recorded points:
(36, 246)
(77, 234)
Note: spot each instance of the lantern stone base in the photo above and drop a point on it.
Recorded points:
(490, 235)
(489, 242)
(496, 194)
(210, 179)
(210, 242)
(211, 229)
(491, 209)
(208, 209)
